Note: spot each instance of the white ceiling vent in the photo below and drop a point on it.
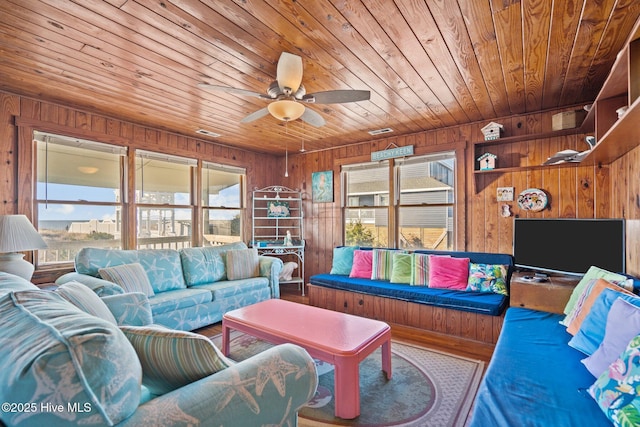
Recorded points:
(380, 131)
(207, 133)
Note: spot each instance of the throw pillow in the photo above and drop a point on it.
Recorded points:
(591, 274)
(591, 332)
(343, 260)
(130, 277)
(448, 272)
(419, 270)
(401, 270)
(582, 312)
(616, 389)
(242, 264)
(488, 278)
(382, 264)
(171, 359)
(362, 264)
(623, 323)
(86, 300)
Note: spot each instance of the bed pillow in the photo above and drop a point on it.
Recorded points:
(488, 278)
(448, 272)
(86, 300)
(171, 359)
(130, 277)
(362, 264)
(343, 260)
(242, 264)
(591, 274)
(623, 323)
(382, 264)
(419, 270)
(592, 329)
(615, 390)
(401, 271)
(583, 310)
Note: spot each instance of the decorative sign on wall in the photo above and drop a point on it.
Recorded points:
(322, 186)
(505, 194)
(532, 200)
(392, 153)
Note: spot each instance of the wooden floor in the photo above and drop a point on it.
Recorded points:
(401, 333)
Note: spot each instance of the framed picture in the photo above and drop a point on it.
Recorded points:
(278, 210)
(322, 186)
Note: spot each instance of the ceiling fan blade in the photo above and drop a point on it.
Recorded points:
(255, 115)
(313, 118)
(289, 72)
(337, 96)
(233, 90)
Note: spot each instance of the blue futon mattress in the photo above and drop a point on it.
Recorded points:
(534, 378)
(477, 302)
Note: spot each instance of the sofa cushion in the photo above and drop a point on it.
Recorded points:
(11, 282)
(448, 272)
(362, 264)
(488, 278)
(242, 264)
(86, 300)
(616, 389)
(590, 276)
(230, 288)
(206, 264)
(343, 260)
(130, 277)
(419, 269)
(401, 269)
(163, 266)
(52, 353)
(178, 299)
(171, 359)
(623, 323)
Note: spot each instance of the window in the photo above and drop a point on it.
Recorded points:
(78, 195)
(222, 203)
(426, 202)
(163, 200)
(367, 204)
(403, 203)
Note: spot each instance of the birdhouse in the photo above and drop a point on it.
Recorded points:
(492, 131)
(487, 161)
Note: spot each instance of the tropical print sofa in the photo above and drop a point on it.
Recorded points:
(67, 360)
(186, 289)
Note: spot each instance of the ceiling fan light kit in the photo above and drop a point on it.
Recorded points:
(286, 110)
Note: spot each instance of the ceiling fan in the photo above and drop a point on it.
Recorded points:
(289, 95)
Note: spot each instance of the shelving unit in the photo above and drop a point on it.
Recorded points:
(276, 211)
(614, 136)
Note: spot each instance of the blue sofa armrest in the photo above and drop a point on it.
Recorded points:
(270, 267)
(249, 393)
(130, 309)
(100, 286)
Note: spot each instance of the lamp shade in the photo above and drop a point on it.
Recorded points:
(286, 110)
(17, 234)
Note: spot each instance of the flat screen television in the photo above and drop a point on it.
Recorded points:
(569, 246)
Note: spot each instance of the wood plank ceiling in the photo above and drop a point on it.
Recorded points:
(427, 63)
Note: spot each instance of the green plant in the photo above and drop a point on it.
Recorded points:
(357, 234)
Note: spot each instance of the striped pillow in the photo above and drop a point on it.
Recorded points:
(242, 264)
(419, 270)
(382, 264)
(86, 300)
(171, 359)
(130, 277)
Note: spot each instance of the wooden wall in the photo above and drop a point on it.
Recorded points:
(574, 192)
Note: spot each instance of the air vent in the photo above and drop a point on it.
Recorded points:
(380, 131)
(208, 133)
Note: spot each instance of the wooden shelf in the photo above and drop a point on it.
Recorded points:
(528, 137)
(528, 168)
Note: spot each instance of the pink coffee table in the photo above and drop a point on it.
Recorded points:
(341, 339)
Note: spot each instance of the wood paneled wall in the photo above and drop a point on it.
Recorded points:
(605, 191)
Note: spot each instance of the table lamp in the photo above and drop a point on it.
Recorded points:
(17, 234)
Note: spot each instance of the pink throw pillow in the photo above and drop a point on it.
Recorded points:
(448, 272)
(362, 264)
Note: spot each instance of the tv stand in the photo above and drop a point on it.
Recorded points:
(545, 292)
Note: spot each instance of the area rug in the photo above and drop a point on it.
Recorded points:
(427, 388)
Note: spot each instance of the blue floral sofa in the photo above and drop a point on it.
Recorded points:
(67, 360)
(186, 289)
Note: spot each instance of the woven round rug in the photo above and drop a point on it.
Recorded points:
(427, 388)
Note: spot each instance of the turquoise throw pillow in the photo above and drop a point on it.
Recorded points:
(130, 277)
(401, 270)
(343, 260)
(86, 300)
